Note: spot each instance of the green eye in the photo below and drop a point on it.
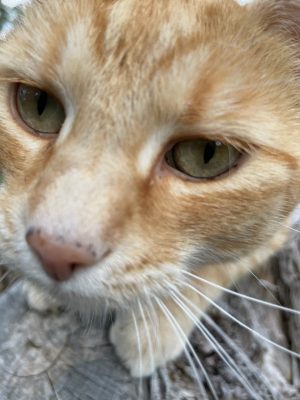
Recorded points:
(39, 110)
(202, 159)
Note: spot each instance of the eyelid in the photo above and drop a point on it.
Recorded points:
(225, 138)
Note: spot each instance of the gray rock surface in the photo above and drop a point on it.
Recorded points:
(53, 357)
(56, 357)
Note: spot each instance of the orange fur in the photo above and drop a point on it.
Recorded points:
(135, 76)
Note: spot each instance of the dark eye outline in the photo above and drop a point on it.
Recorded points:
(18, 118)
(170, 164)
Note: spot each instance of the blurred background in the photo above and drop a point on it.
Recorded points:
(7, 16)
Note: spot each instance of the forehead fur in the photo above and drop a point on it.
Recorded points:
(129, 32)
(151, 55)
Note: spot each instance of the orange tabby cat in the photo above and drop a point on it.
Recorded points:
(145, 143)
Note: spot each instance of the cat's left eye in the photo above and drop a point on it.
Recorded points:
(202, 159)
(41, 112)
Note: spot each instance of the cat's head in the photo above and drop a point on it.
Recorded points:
(138, 139)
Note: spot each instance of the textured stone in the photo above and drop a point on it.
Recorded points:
(55, 356)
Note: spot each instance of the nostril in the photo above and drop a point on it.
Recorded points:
(60, 258)
(74, 266)
(29, 232)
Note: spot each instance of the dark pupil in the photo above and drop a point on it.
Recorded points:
(42, 102)
(209, 152)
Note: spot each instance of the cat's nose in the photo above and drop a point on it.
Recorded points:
(60, 257)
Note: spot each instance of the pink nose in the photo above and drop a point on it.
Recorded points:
(59, 257)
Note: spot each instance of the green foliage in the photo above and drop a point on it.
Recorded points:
(3, 16)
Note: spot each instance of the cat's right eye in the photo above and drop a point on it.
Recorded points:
(202, 159)
(41, 112)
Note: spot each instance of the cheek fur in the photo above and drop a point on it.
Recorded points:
(225, 221)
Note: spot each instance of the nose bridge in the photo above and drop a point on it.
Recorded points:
(73, 197)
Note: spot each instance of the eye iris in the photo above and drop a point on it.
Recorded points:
(39, 110)
(202, 159)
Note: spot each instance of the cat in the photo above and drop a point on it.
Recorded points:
(147, 148)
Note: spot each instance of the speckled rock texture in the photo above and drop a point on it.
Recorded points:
(56, 356)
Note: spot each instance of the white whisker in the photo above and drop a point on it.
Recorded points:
(289, 227)
(244, 357)
(277, 345)
(4, 276)
(138, 338)
(148, 336)
(154, 321)
(152, 314)
(185, 341)
(244, 296)
(217, 347)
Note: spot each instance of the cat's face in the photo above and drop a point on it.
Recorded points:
(179, 144)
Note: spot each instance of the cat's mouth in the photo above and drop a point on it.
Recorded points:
(114, 284)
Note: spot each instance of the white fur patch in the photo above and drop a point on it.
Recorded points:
(73, 51)
(151, 149)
